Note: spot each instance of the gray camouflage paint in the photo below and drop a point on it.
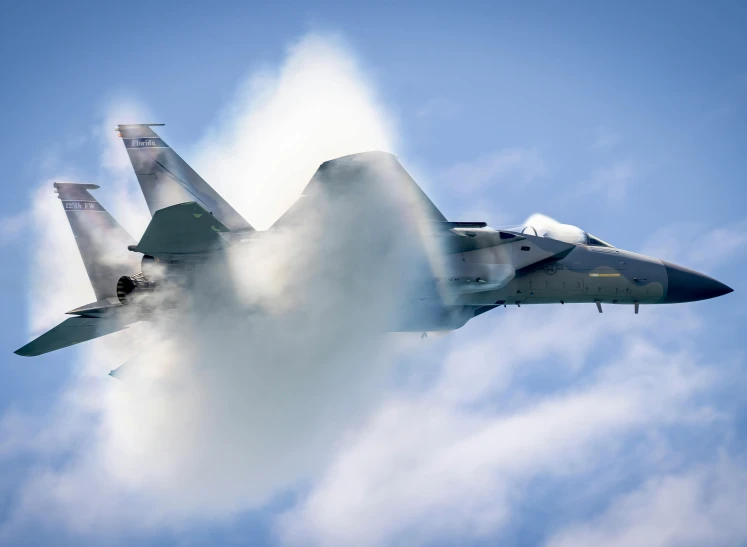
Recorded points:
(462, 269)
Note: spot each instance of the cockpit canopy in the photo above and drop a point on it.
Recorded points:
(543, 226)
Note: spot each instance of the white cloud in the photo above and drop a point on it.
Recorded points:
(698, 245)
(485, 210)
(283, 124)
(12, 226)
(447, 464)
(58, 279)
(121, 190)
(606, 140)
(235, 409)
(613, 182)
(703, 506)
(438, 107)
(509, 166)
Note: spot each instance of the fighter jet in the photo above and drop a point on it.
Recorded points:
(470, 268)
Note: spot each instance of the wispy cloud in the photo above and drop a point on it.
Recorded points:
(446, 464)
(702, 506)
(282, 124)
(509, 166)
(125, 199)
(58, 279)
(12, 226)
(612, 182)
(230, 401)
(699, 245)
(606, 140)
(438, 107)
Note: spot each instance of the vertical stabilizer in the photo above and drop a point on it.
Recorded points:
(101, 240)
(166, 179)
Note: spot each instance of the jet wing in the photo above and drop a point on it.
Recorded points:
(368, 182)
(182, 228)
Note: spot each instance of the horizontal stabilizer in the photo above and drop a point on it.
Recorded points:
(182, 228)
(70, 332)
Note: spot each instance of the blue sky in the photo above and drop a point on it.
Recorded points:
(628, 121)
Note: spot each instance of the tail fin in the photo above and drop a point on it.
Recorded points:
(166, 179)
(101, 240)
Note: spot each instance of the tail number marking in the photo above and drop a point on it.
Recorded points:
(82, 206)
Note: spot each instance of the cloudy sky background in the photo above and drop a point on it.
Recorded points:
(532, 426)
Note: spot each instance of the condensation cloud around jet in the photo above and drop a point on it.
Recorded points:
(219, 416)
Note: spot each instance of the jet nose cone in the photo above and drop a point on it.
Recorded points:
(686, 285)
